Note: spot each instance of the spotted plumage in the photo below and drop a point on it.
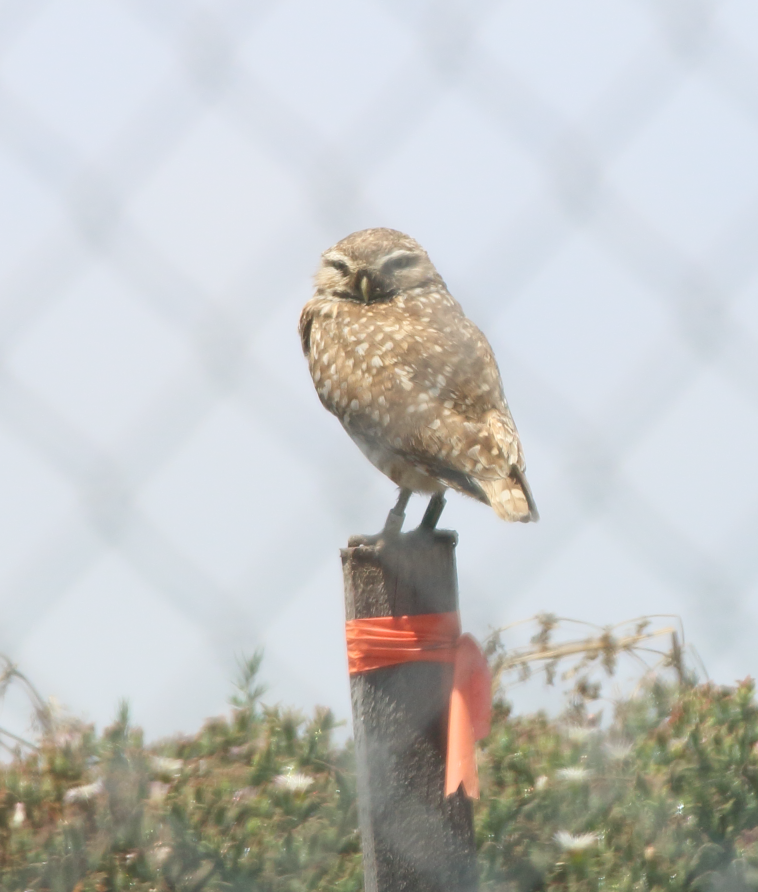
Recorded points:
(413, 381)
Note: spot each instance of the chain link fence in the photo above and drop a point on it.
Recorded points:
(583, 175)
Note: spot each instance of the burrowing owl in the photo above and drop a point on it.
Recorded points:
(413, 381)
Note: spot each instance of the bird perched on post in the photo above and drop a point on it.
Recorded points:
(413, 381)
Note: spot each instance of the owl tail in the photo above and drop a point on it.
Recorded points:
(511, 497)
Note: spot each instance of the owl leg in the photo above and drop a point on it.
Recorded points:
(433, 511)
(395, 518)
(392, 525)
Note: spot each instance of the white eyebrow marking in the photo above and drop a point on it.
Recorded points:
(397, 255)
(401, 252)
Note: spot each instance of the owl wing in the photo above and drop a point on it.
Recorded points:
(483, 459)
(466, 436)
(453, 370)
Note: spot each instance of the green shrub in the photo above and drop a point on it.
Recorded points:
(664, 798)
(262, 800)
(667, 798)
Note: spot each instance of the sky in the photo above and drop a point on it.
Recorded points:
(173, 496)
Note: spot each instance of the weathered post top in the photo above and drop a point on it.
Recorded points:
(409, 574)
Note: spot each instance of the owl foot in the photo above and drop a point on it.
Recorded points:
(392, 526)
(433, 512)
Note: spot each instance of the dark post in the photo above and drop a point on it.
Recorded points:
(414, 838)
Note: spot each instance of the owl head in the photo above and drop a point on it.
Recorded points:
(374, 265)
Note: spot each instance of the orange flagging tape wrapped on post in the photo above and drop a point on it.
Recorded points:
(433, 637)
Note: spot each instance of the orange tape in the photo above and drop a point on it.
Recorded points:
(433, 637)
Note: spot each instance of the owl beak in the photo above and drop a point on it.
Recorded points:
(366, 288)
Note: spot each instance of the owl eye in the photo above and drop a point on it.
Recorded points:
(339, 265)
(399, 260)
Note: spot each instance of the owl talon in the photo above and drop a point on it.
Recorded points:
(433, 512)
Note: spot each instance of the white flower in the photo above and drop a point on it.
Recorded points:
(541, 782)
(574, 775)
(164, 765)
(618, 751)
(570, 842)
(293, 781)
(19, 815)
(83, 793)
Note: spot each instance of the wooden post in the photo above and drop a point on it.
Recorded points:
(414, 838)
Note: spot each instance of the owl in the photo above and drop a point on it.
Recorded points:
(413, 381)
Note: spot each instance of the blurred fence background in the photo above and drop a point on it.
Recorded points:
(584, 174)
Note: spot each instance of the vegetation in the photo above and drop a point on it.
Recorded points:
(262, 800)
(667, 798)
(664, 796)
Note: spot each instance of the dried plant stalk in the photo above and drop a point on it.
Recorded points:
(600, 649)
